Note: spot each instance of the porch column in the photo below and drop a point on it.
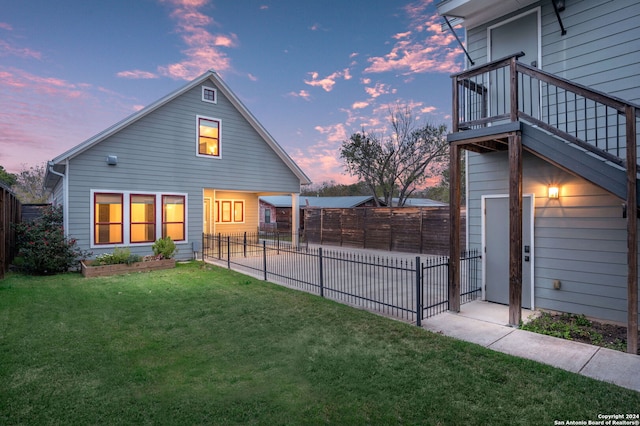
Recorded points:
(454, 228)
(295, 219)
(632, 233)
(515, 229)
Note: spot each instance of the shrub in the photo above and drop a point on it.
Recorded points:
(164, 248)
(120, 255)
(43, 248)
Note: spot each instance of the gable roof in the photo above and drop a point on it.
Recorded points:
(325, 202)
(224, 89)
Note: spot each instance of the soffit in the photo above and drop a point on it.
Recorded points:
(472, 13)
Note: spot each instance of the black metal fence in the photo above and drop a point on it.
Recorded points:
(407, 287)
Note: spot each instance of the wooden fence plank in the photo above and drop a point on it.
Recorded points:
(406, 229)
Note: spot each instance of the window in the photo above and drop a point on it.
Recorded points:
(231, 211)
(226, 211)
(173, 217)
(137, 218)
(208, 137)
(143, 218)
(267, 216)
(209, 94)
(238, 211)
(108, 228)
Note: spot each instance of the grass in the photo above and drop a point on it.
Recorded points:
(203, 345)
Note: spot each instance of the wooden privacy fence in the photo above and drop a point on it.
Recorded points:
(405, 229)
(9, 213)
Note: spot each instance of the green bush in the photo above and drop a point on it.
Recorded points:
(120, 255)
(164, 248)
(43, 248)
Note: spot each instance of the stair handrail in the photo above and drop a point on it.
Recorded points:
(468, 80)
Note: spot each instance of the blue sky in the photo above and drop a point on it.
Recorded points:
(312, 72)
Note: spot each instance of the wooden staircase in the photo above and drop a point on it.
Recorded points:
(506, 105)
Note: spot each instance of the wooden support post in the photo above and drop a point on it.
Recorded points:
(515, 229)
(454, 228)
(632, 233)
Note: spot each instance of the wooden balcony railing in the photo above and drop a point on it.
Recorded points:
(508, 90)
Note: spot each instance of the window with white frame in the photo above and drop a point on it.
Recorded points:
(137, 218)
(209, 94)
(229, 211)
(208, 136)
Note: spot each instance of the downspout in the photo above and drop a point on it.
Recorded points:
(65, 195)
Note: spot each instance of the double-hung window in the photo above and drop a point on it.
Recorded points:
(137, 218)
(143, 218)
(208, 137)
(108, 223)
(173, 217)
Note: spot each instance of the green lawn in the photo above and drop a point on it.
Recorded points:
(203, 345)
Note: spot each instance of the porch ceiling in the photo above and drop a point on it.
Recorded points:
(477, 12)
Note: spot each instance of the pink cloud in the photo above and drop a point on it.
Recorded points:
(377, 90)
(425, 48)
(428, 109)
(360, 105)
(5, 26)
(301, 94)
(136, 74)
(202, 50)
(47, 115)
(22, 52)
(329, 81)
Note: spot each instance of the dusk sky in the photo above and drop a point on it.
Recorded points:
(312, 72)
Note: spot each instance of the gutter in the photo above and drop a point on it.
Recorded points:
(65, 195)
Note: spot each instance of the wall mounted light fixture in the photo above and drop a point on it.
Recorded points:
(112, 160)
(553, 192)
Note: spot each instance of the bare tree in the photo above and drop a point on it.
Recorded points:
(29, 186)
(397, 165)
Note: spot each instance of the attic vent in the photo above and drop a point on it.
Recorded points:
(209, 95)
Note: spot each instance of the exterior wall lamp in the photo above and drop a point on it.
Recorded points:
(553, 192)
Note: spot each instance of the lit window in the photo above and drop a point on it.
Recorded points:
(238, 211)
(173, 217)
(208, 137)
(143, 218)
(229, 211)
(226, 211)
(108, 218)
(209, 94)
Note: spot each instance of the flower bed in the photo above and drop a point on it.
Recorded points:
(106, 270)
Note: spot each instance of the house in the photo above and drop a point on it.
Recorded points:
(420, 202)
(276, 212)
(547, 115)
(194, 161)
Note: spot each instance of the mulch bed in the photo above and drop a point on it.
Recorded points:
(581, 329)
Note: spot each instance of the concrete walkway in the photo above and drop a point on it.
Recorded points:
(485, 324)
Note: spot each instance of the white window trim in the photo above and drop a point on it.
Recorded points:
(126, 217)
(198, 117)
(215, 95)
(233, 221)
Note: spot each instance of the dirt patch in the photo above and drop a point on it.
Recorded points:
(580, 329)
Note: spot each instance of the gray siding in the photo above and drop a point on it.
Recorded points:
(580, 239)
(601, 48)
(158, 154)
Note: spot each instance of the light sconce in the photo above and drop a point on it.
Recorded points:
(112, 160)
(553, 192)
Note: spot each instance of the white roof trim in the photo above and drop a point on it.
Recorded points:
(213, 76)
